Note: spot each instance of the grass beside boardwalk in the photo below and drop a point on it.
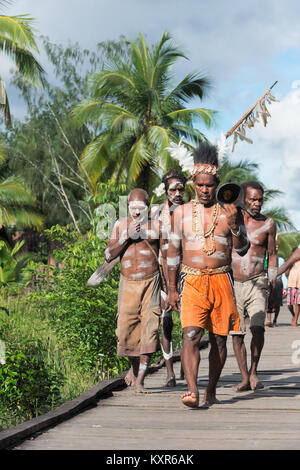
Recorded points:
(39, 373)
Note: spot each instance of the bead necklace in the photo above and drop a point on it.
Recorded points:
(207, 238)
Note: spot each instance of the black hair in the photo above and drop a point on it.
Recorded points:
(206, 153)
(251, 184)
(173, 173)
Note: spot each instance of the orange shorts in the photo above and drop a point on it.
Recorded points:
(207, 301)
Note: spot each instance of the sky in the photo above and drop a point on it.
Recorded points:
(243, 46)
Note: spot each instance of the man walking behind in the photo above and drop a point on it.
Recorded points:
(250, 282)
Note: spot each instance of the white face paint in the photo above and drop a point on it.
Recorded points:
(138, 210)
(176, 183)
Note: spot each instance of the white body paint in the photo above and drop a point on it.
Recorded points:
(145, 252)
(145, 264)
(173, 261)
(127, 264)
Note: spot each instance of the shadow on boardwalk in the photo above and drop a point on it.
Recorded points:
(264, 419)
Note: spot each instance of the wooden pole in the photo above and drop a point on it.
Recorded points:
(230, 132)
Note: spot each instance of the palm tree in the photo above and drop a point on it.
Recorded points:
(136, 111)
(17, 205)
(17, 41)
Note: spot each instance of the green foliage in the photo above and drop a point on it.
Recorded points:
(135, 111)
(287, 241)
(17, 40)
(28, 383)
(83, 318)
(13, 269)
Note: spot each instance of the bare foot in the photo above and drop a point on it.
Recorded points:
(255, 383)
(190, 399)
(129, 378)
(294, 324)
(209, 399)
(171, 382)
(138, 388)
(242, 387)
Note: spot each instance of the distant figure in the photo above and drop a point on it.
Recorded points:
(292, 268)
(250, 282)
(275, 297)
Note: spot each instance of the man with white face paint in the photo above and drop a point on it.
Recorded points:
(173, 185)
(136, 240)
(250, 282)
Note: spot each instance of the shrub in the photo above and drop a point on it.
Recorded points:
(83, 317)
(29, 385)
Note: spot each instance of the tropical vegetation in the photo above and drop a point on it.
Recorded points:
(102, 128)
(136, 110)
(18, 42)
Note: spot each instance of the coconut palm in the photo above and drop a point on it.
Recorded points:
(136, 111)
(17, 41)
(17, 205)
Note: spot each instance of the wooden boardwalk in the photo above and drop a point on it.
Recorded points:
(266, 419)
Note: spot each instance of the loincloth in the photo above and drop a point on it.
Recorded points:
(139, 314)
(251, 297)
(208, 302)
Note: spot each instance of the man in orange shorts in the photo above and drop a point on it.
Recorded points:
(203, 233)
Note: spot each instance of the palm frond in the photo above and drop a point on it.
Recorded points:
(19, 29)
(24, 60)
(280, 217)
